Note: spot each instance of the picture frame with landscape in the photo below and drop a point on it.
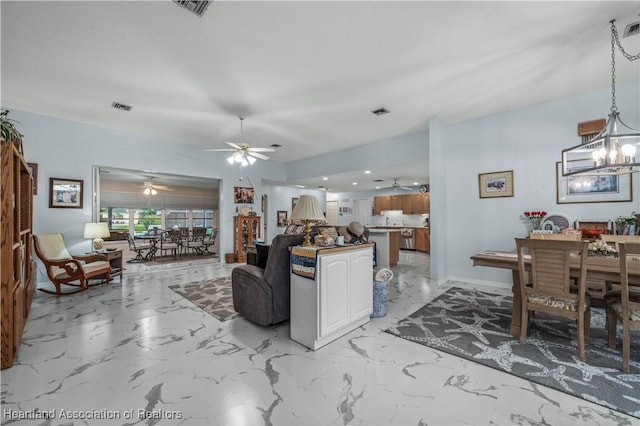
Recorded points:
(592, 188)
(65, 193)
(496, 184)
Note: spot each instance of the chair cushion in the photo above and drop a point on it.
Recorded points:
(556, 302)
(634, 312)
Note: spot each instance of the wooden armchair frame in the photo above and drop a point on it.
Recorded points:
(64, 268)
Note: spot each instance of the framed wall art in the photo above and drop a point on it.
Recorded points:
(65, 193)
(592, 188)
(34, 174)
(496, 184)
(294, 201)
(242, 195)
(282, 218)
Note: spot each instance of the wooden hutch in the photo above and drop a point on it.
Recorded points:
(17, 265)
(246, 230)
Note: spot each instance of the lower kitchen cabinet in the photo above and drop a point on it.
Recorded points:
(422, 240)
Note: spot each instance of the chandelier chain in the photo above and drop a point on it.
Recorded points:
(614, 33)
(614, 36)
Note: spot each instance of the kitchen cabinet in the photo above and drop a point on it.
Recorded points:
(17, 264)
(408, 203)
(337, 301)
(246, 230)
(396, 202)
(381, 204)
(421, 203)
(423, 243)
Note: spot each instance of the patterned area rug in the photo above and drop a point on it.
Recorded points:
(212, 296)
(475, 325)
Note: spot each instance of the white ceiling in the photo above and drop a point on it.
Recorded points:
(304, 74)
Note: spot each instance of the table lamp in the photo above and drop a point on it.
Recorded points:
(96, 231)
(307, 210)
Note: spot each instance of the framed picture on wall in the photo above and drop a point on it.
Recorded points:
(65, 193)
(496, 184)
(294, 201)
(592, 188)
(242, 195)
(282, 218)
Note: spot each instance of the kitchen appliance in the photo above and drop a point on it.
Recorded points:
(407, 239)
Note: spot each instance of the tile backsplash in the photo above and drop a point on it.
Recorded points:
(397, 218)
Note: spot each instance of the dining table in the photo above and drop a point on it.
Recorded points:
(599, 269)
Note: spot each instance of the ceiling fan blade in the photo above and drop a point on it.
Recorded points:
(162, 187)
(219, 150)
(260, 156)
(406, 188)
(262, 150)
(234, 145)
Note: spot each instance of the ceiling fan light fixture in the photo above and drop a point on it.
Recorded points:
(251, 159)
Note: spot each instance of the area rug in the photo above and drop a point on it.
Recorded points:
(475, 326)
(212, 296)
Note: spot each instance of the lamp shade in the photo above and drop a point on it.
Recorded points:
(307, 209)
(96, 230)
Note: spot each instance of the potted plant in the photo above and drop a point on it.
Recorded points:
(10, 133)
(626, 225)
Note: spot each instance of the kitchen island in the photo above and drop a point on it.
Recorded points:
(387, 246)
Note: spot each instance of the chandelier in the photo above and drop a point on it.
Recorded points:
(616, 149)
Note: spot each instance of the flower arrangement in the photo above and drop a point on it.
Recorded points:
(535, 218)
(625, 220)
(625, 224)
(600, 248)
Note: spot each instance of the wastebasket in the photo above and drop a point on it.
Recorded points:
(381, 280)
(380, 298)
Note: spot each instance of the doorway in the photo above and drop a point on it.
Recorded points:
(361, 211)
(332, 213)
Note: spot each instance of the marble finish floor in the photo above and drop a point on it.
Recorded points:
(135, 352)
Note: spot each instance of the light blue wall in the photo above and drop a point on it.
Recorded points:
(529, 142)
(66, 149)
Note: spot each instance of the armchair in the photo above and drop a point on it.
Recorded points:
(262, 295)
(63, 268)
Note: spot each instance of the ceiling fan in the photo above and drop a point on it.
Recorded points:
(395, 186)
(243, 153)
(151, 189)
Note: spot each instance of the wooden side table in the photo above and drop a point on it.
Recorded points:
(115, 259)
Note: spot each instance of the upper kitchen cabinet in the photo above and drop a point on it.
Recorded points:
(408, 203)
(420, 203)
(396, 202)
(381, 203)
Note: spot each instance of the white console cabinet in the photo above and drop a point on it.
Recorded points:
(337, 301)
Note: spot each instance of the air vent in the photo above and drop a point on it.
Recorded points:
(378, 180)
(631, 29)
(197, 7)
(275, 145)
(123, 107)
(380, 111)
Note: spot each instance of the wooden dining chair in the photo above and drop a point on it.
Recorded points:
(549, 286)
(616, 239)
(623, 305)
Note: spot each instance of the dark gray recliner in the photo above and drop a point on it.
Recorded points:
(262, 295)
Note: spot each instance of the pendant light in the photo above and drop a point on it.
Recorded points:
(616, 149)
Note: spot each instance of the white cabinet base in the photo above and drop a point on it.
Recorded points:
(339, 300)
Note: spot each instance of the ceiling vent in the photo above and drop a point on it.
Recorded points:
(123, 107)
(631, 29)
(197, 7)
(380, 111)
